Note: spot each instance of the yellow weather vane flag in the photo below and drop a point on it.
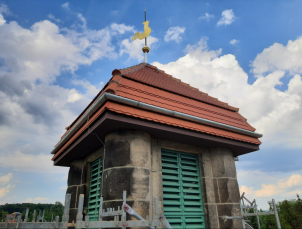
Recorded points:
(146, 33)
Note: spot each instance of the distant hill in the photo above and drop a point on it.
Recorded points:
(55, 209)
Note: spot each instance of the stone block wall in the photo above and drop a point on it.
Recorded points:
(220, 186)
(127, 166)
(78, 181)
(133, 163)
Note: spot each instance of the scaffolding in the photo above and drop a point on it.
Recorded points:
(119, 218)
(245, 212)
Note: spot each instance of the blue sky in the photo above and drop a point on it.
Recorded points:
(55, 56)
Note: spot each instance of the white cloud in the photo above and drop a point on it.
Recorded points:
(121, 28)
(37, 200)
(134, 48)
(207, 16)
(234, 41)
(114, 12)
(227, 18)
(278, 112)
(264, 186)
(6, 178)
(91, 90)
(83, 20)
(2, 20)
(4, 9)
(65, 6)
(43, 52)
(5, 190)
(34, 112)
(40, 163)
(74, 96)
(293, 181)
(280, 57)
(270, 190)
(50, 16)
(80, 17)
(173, 34)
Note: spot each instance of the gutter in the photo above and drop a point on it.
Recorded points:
(107, 96)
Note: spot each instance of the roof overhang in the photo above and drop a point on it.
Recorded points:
(111, 121)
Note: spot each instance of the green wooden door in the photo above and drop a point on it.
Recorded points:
(94, 191)
(183, 205)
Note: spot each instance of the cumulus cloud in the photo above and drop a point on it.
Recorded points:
(65, 6)
(207, 16)
(42, 53)
(4, 9)
(50, 16)
(264, 186)
(174, 34)
(6, 178)
(30, 163)
(121, 28)
(134, 49)
(234, 41)
(269, 190)
(227, 18)
(294, 180)
(5, 190)
(83, 21)
(91, 90)
(34, 111)
(221, 76)
(279, 57)
(37, 200)
(2, 20)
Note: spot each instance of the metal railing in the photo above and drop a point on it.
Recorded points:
(119, 218)
(245, 212)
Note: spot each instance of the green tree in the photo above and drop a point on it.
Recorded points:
(56, 209)
(290, 215)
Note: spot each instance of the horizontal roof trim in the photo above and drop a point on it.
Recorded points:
(107, 96)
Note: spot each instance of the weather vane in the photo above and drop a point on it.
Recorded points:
(145, 34)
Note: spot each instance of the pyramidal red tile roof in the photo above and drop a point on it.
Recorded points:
(151, 75)
(146, 83)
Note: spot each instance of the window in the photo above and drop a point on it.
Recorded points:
(183, 205)
(94, 191)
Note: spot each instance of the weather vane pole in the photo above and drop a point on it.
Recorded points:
(145, 34)
(145, 20)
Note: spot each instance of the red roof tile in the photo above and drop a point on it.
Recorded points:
(150, 75)
(144, 114)
(145, 83)
(160, 118)
(157, 97)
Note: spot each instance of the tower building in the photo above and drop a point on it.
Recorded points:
(152, 135)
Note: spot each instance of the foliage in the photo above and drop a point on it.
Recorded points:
(50, 209)
(290, 215)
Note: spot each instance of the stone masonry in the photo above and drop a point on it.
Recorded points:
(220, 186)
(78, 181)
(133, 163)
(127, 167)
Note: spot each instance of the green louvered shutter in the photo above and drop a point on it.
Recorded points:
(94, 191)
(183, 205)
